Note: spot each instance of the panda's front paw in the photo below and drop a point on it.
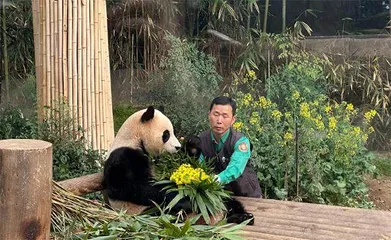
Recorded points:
(239, 218)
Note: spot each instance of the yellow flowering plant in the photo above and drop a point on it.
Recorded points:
(297, 120)
(194, 180)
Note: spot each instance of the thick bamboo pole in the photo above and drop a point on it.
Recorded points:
(101, 78)
(55, 52)
(52, 50)
(25, 189)
(72, 61)
(79, 67)
(88, 60)
(93, 71)
(37, 48)
(84, 66)
(47, 44)
(109, 112)
(60, 79)
(64, 31)
(97, 73)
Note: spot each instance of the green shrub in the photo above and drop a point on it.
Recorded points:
(121, 112)
(185, 86)
(71, 157)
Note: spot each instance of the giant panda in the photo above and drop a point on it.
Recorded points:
(128, 175)
(236, 212)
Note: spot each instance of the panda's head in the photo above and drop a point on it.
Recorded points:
(149, 130)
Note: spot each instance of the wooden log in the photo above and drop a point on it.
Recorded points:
(25, 189)
(84, 184)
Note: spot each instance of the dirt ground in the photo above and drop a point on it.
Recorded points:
(380, 192)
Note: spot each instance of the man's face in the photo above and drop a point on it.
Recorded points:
(221, 119)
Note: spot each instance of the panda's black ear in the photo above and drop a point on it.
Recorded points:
(148, 115)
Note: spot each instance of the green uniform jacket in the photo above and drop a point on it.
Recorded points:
(232, 155)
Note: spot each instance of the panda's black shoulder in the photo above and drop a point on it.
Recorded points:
(125, 160)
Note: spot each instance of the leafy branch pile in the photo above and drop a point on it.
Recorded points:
(75, 217)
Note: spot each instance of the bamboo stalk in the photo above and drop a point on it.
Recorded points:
(101, 77)
(84, 66)
(60, 49)
(56, 78)
(97, 74)
(70, 59)
(89, 103)
(65, 56)
(93, 79)
(47, 44)
(103, 85)
(79, 67)
(43, 58)
(74, 89)
(52, 50)
(37, 48)
(109, 130)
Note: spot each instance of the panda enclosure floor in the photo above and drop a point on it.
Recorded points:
(294, 220)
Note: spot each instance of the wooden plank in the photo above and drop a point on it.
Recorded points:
(294, 220)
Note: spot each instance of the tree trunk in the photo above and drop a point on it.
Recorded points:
(5, 52)
(25, 189)
(283, 16)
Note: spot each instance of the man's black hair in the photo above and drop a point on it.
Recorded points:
(223, 100)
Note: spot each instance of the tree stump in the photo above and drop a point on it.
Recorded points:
(25, 189)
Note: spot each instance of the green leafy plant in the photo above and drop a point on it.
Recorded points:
(185, 85)
(71, 157)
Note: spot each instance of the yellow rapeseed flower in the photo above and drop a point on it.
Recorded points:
(237, 126)
(296, 95)
(251, 74)
(263, 102)
(327, 109)
(332, 123)
(288, 136)
(305, 110)
(247, 99)
(186, 174)
(350, 107)
(356, 131)
(276, 114)
(369, 115)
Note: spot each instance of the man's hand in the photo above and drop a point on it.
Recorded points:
(216, 178)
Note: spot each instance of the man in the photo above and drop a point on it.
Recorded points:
(231, 150)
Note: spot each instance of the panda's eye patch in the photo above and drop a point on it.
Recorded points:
(166, 136)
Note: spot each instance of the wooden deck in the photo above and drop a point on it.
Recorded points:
(292, 220)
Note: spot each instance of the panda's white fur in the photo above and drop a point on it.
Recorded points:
(133, 132)
(127, 169)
